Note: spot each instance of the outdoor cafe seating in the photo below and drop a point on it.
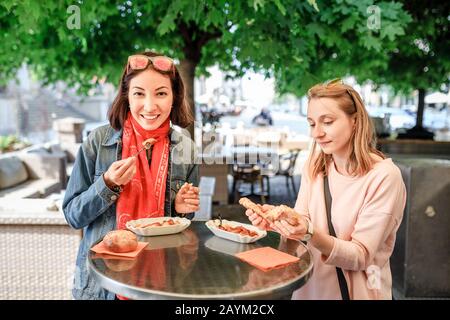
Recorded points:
(285, 167)
(247, 173)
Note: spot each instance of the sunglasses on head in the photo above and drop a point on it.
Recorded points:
(334, 81)
(340, 81)
(159, 63)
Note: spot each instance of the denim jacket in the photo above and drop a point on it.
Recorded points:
(91, 205)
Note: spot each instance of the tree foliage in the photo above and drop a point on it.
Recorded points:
(298, 42)
(350, 37)
(420, 58)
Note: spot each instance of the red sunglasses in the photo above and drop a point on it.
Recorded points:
(159, 63)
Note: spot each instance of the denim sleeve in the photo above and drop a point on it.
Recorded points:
(192, 176)
(86, 199)
(194, 179)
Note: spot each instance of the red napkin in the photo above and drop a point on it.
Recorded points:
(100, 248)
(267, 258)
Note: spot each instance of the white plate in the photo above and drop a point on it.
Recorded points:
(158, 231)
(228, 247)
(212, 225)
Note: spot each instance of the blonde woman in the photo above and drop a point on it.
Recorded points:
(352, 240)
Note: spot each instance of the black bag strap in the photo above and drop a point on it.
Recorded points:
(340, 273)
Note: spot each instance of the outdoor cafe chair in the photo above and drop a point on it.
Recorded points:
(285, 167)
(247, 173)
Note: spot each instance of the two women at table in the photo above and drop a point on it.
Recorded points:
(112, 183)
(367, 201)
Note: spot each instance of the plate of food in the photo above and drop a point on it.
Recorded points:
(158, 226)
(235, 231)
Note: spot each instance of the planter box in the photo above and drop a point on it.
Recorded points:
(420, 262)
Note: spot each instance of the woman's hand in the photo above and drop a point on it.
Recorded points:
(287, 230)
(257, 220)
(120, 172)
(187, 199)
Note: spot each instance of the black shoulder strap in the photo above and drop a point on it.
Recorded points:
(340, 273)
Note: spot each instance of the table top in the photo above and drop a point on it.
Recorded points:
(195, 264)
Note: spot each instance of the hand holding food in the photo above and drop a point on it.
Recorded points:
(289, 231)
(187, 199)
(284, 212)
(276, 213)
(256, 219)
(120, 241)
(248, 204)
(120, 172)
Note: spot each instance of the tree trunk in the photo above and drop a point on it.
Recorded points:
(187, 70)
(418, 131)
(420, 109)
(194, 40)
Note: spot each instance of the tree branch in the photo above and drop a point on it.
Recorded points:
(185, 33)
(207, 36)
(195, 39)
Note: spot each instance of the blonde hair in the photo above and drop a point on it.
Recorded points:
(363, 139)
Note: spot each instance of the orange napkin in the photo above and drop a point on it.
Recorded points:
(100, 248)
(267, 258)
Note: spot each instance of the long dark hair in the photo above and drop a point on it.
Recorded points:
(181, 113)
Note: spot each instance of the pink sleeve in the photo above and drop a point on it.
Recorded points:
(379, 217)
(301, 205)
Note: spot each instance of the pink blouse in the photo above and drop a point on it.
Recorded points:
(366, 214)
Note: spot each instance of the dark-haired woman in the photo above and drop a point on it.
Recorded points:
(115, 179)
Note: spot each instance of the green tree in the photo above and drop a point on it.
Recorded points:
(45, 35)
(409, 51)
(352, 37)
(421, 58)
(290, 39)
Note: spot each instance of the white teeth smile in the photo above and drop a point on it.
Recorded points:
(149, 117)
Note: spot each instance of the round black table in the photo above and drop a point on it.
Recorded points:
(195, 264)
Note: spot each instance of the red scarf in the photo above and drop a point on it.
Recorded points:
(144, 195)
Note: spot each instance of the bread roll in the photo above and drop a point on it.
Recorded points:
(120, 241)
